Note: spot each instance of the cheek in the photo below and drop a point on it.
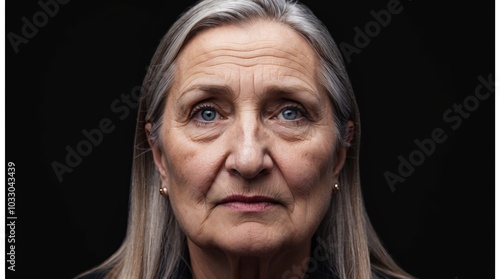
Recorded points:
(309, 177)
(191, 172)
(309, 169)
(191, 168)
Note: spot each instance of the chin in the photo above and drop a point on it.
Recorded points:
(253, 239)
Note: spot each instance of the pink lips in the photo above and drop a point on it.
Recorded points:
(248, 203)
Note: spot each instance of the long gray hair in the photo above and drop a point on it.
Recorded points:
(154, 245)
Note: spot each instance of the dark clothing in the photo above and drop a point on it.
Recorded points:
(185, 273)
(317, 270)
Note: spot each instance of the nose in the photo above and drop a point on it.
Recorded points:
(249, 148)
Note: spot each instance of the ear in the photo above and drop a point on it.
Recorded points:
(341, 152)
(158, 155)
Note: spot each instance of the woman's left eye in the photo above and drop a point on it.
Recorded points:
(291, 113)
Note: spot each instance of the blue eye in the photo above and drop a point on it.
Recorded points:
(290, 114)
(208, 114)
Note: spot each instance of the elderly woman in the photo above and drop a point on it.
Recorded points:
(246, 159)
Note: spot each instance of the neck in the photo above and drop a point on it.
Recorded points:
(214, 263)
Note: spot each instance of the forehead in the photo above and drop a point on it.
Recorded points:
(257, 43)
(249, 34)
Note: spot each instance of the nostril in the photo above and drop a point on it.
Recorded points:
(264, 171)
(235, 171)
(250, 174)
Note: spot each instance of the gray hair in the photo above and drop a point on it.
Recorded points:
(154, 245)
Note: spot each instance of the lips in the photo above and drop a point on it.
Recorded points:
(248, 203)
(247, 199)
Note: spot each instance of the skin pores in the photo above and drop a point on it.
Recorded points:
(247, 144)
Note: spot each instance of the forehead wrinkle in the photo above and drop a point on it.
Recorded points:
(276, 64)
(219, 74)
(269, 53)
(250, 48)
(270, 76)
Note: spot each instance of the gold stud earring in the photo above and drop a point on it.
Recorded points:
(336, 188)
(164, 191)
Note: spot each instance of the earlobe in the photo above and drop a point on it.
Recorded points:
(157, 154)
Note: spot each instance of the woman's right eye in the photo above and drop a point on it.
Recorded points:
(208, 114)
(205, 114)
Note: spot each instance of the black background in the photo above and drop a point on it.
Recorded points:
(438, 223)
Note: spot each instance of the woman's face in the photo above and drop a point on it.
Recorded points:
(247, 145)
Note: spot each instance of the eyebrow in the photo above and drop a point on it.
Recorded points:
(215, 89)
(208, 88)
(291, 90)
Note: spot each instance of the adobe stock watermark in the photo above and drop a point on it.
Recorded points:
(92, 138)
(372, 29)
(454, 118)
(31, 27)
